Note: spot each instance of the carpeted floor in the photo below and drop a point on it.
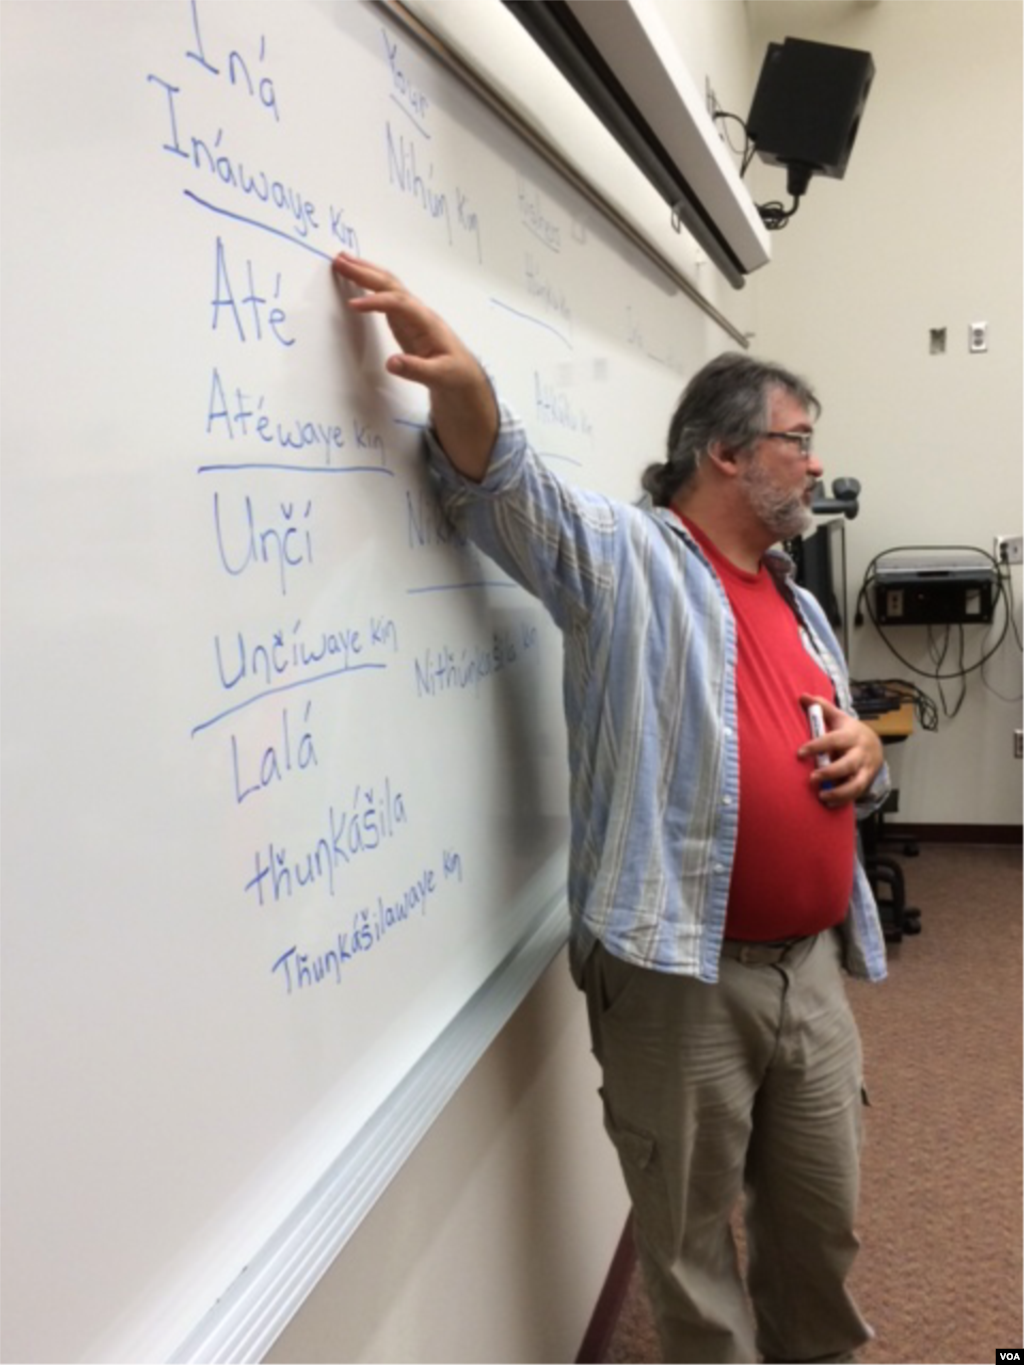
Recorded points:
(939, 1275)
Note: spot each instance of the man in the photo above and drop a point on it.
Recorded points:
(713, 884)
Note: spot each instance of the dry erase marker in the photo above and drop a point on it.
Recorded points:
(816, 716)
(817, 720)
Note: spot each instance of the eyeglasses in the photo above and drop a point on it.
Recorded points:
(804, 439)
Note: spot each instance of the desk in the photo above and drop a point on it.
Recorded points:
(892, 726)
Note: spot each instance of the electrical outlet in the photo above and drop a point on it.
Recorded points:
(977, 337)
(1018, 743)
(1009, 549)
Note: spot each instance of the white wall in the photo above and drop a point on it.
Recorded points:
(923, 232)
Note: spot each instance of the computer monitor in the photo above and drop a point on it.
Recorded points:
(820, 560)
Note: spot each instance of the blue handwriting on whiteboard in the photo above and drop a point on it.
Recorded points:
(256, 304)
(284, 653)
(468, 219)
(390, 914)
(238, 68)
(442, 670)
(405, 175)
(279, 663)
(412, 101)
(537, 322)
(285, 544)
(367, 440)
(206, 155)
(278, 760)
(300, 970)
(535, 220)
(538, 286)
(403, 172)
(243, 415)
(451, 861)
(344, 232)
(554, 405)
(371, 821)
(549, 455)
(635, 338)
(247, 412)
(467, 585)
(427, 523)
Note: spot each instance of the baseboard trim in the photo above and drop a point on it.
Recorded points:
(953, 834)
(610, 1300)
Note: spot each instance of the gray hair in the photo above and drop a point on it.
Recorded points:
(726, 401)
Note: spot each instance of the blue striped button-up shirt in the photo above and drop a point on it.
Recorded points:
(650, 703)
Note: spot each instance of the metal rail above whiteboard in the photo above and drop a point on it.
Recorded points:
(478, 83)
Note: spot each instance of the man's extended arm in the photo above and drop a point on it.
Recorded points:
(463, 409)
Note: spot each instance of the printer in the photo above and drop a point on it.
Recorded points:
(923, 587)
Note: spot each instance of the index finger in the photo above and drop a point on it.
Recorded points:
(364, 273)
(827, 705)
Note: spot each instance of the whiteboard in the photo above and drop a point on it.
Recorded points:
(284, 775)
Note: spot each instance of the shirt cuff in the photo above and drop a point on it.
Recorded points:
(508, 455)
(875, 796)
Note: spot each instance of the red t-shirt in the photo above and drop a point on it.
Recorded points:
(793, 871)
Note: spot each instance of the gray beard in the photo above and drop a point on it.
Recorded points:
(783, 514)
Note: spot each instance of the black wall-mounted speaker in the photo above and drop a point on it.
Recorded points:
(808, 105)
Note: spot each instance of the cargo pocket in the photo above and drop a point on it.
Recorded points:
(642, 1166)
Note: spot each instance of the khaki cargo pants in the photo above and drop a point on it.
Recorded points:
(752, 1086)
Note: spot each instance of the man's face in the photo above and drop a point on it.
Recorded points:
(777, 477)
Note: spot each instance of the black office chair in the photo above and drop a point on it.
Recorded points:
(885, 877)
